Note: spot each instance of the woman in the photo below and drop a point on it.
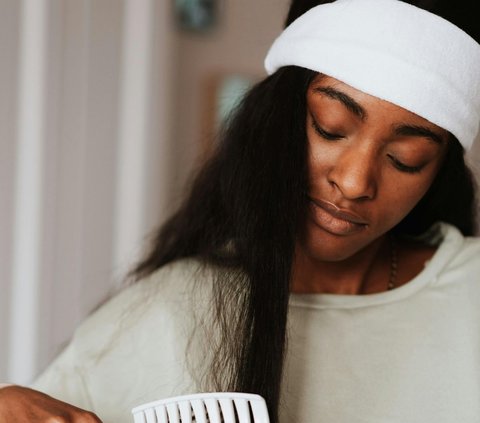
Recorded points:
(339, 199)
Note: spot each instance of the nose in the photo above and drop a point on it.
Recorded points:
(355, 174)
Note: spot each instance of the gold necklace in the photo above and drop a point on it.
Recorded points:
(393, 263)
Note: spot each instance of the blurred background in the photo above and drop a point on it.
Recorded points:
(106, 107)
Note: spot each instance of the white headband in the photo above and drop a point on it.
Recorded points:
(394, 51)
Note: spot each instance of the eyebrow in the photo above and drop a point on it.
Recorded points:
(418, 131)
(345, 99)
(354, 107)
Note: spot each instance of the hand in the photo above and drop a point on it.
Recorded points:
(22, 405)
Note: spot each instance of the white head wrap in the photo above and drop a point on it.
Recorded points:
(394, 51)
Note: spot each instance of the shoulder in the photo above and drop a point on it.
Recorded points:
(134, 345)
(458, 256)
(171, 281)
(162, 301)
(465, 249)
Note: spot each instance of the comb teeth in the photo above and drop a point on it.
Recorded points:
(212, 407)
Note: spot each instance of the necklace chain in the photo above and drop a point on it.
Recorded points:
(393, 263)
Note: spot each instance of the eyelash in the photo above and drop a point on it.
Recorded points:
(334, 137)
(403, 167)
(324, 134)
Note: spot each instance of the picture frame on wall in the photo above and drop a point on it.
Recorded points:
(196, 15)
(229, 91)
(223, 92)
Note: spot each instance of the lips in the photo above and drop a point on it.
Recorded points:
(336, 220)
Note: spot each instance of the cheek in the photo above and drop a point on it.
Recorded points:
(321, 157)
(400, 196)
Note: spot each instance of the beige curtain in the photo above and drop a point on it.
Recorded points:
(83, 131)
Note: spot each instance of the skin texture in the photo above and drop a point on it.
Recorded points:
(22, 405)
(375, 161)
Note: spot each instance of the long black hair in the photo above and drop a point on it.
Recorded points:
(251, 193)
(250, 197)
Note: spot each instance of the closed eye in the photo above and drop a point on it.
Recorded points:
(324, 134)
(403, 167)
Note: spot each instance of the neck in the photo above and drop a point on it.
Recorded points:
(365, 272)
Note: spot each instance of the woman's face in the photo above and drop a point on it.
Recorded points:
(369, 162)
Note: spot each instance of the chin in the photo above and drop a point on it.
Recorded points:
(324, 250)
(328, 255)
(320, 245)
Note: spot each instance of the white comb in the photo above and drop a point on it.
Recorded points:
(211, 407)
